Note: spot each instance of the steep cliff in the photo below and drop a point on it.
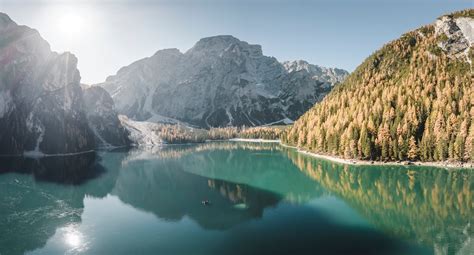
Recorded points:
(221, 81)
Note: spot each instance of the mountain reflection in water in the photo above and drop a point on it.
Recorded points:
(265, 199)
(69, 169)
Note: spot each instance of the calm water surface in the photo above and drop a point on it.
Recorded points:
(264, 199)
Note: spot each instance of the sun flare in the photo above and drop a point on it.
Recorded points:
(71, 24)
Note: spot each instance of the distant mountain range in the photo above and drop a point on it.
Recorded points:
(221, 81)
(412, 99)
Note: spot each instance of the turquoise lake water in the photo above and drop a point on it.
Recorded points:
(263, 199)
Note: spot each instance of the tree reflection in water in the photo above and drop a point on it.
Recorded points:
(429, 205)
(433, 206)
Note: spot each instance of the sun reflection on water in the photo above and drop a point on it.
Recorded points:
(74, 239)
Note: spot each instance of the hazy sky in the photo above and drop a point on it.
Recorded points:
(106, 35)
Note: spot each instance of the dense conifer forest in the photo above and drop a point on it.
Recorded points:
(178, 134)
(410, 100)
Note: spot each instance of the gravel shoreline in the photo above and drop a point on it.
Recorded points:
(443, 164)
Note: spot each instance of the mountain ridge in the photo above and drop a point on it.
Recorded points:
(42, 107)
(220, 81)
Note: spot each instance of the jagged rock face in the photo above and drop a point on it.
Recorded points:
(221, 81)
(460, 35)
(103, 119)
(330, 75)
(41, 104)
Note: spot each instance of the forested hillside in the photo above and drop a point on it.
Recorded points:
(413, 99)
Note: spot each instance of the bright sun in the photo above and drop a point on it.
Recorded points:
(71, 24)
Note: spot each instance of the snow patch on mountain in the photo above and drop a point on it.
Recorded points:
(142, 132)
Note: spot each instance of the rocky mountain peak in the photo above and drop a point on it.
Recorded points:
(5, 21)
(167, 52)
(221, 81)
(21, 42)
(296, 65)
(333, 75)
(225, 43)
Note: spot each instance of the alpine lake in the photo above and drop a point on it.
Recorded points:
(230, 198)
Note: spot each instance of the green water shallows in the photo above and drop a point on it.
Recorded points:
(264, 199)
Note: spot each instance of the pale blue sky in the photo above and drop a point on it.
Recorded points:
(106, 35)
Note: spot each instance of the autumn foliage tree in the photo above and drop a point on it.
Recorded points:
(409, 100)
